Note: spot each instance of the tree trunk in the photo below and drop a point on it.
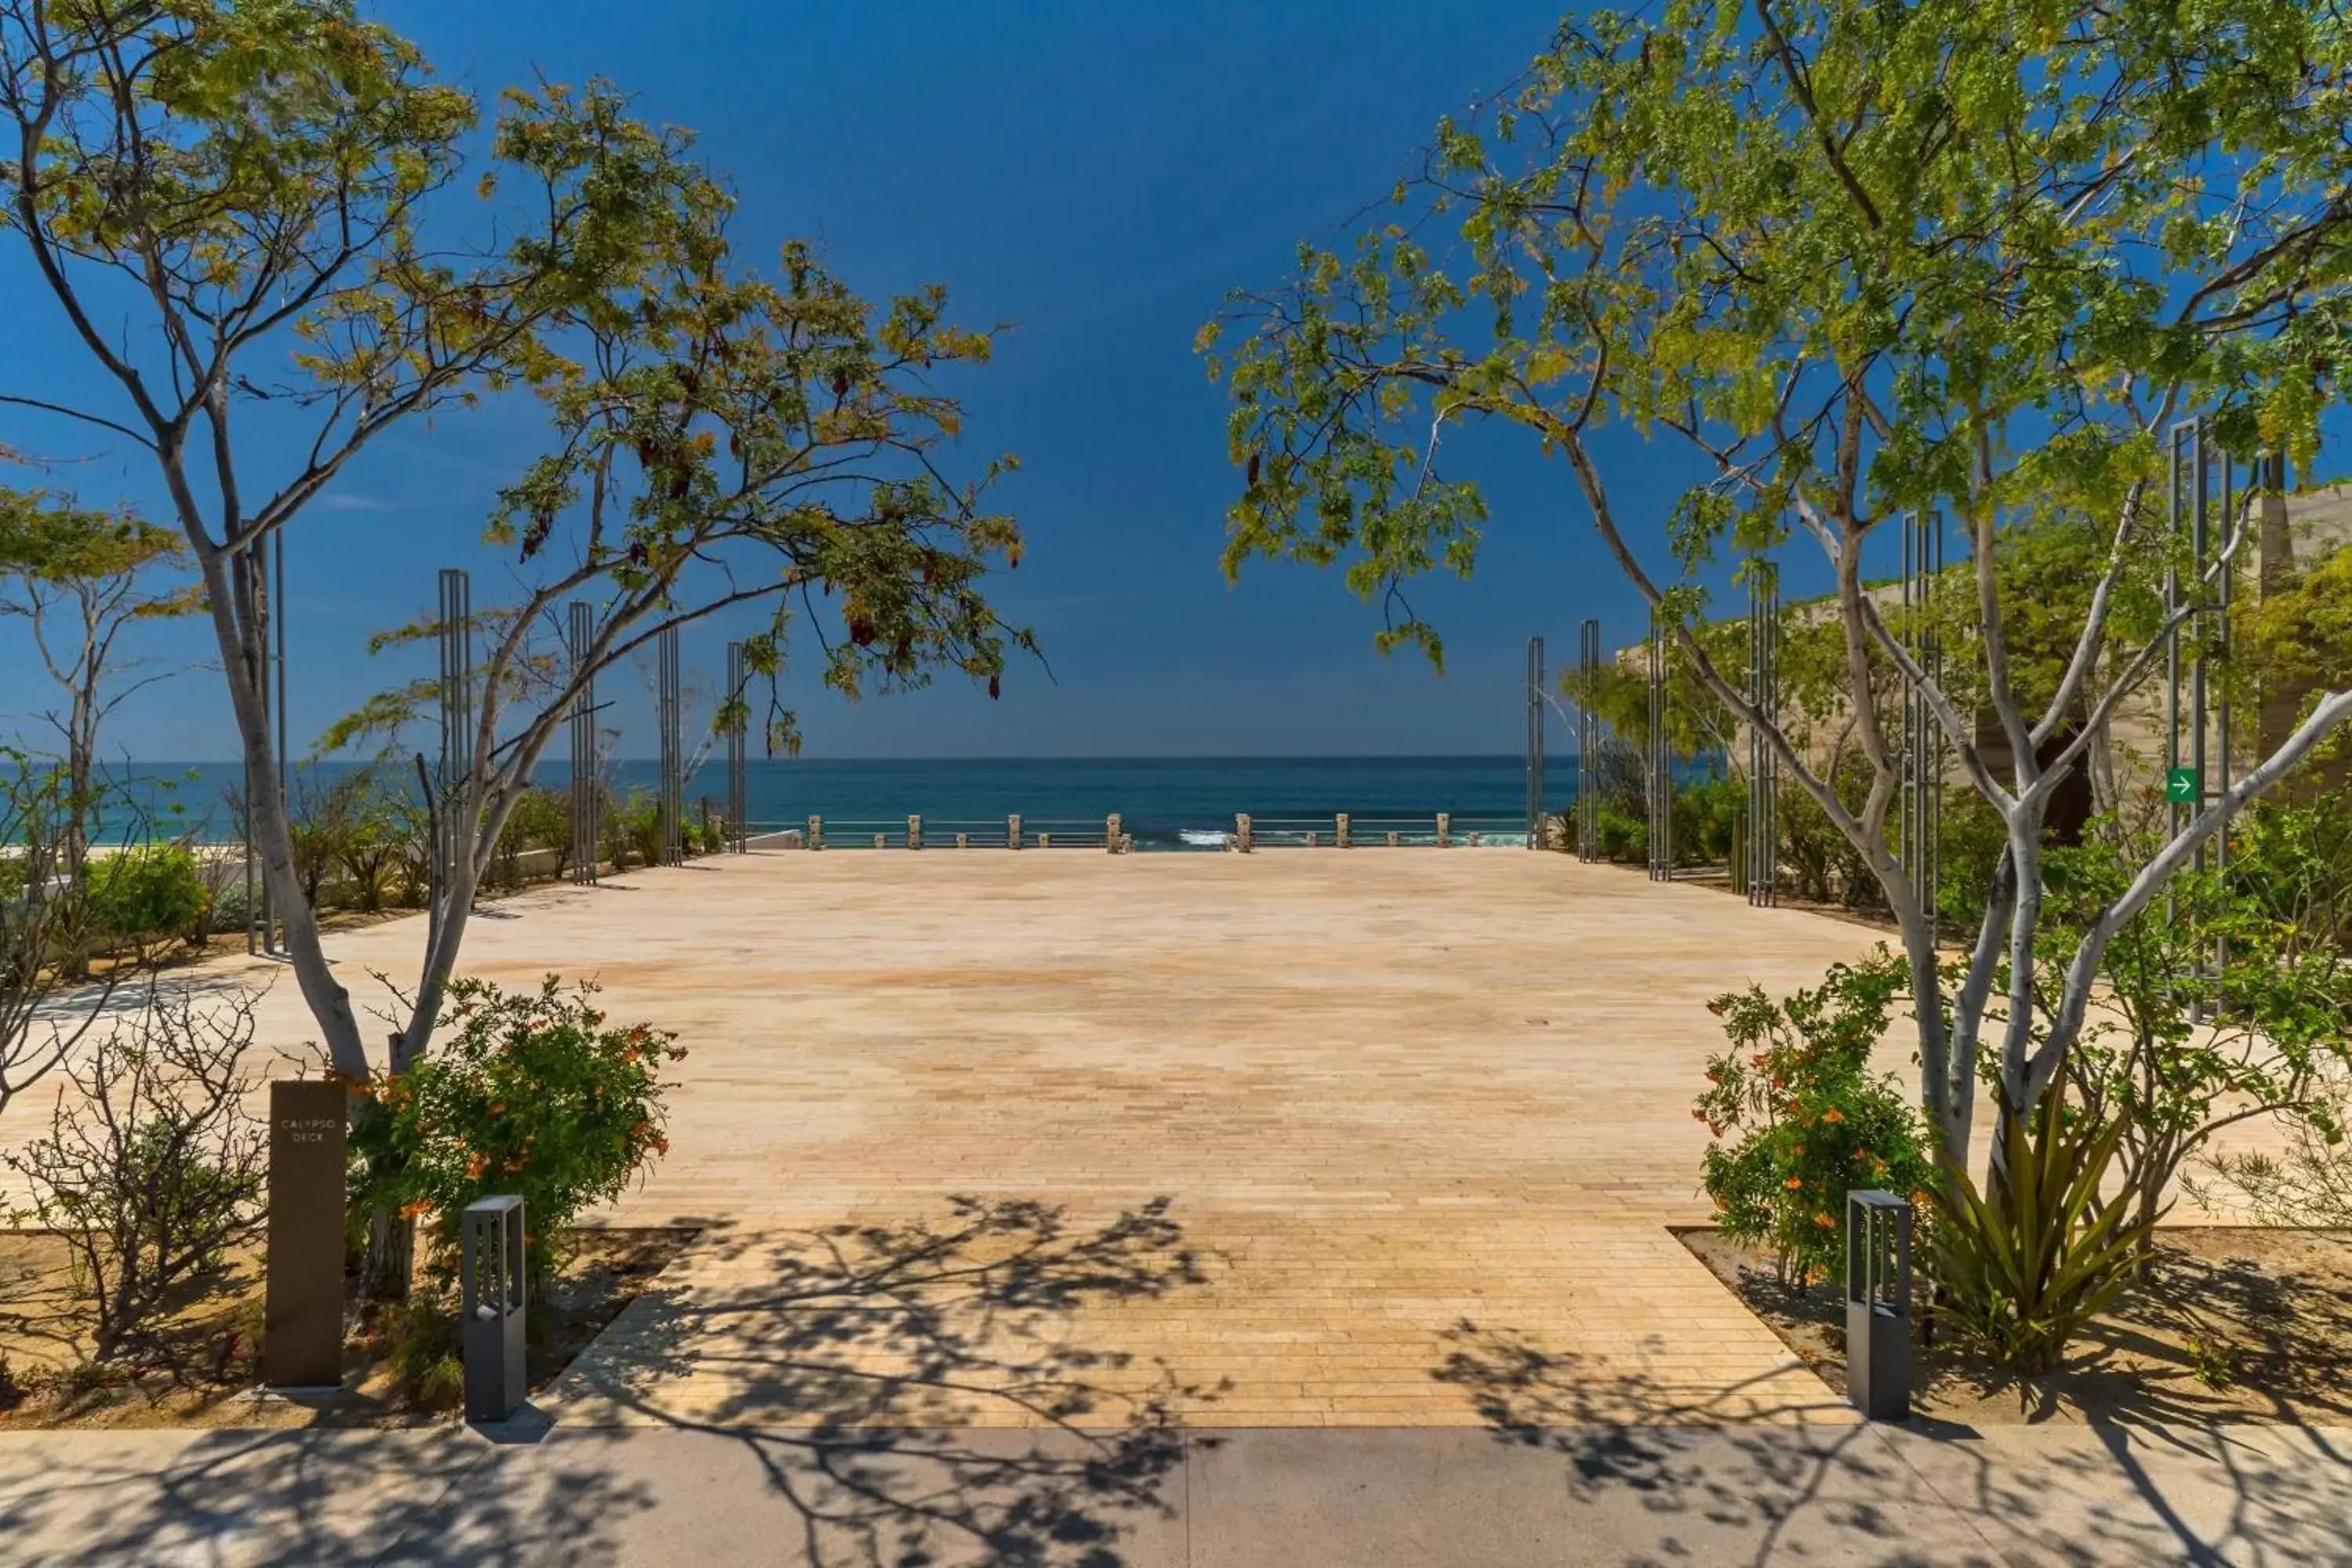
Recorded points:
(239, 629)
(391, 1261)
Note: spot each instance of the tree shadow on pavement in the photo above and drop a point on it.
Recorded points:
(1720, 1475)
(919, 1391)
(301, 1496)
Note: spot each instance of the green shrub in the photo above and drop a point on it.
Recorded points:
(539, 819)
(1707, 812)
(637, 828)
(148, 892)
(1807, 1118)
(1625, 837)
(530, 1093)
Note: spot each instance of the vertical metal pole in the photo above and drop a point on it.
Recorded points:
(1534, 743)
(278, 617)
(1588, 743)
(1762, 864)
(586, 829)
(457, 720)
(673, 839)
(737, 791)
(1662, 771)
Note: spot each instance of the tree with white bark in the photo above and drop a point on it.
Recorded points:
(268, 194)
(1855, 261)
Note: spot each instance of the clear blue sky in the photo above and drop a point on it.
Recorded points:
(1098, 176)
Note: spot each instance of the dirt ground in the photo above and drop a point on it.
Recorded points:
(2233, 1323)
(201, 1368)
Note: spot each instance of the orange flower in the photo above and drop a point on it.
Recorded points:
(414, 1207)
(1833, 1115)
(1823, 1220)
(1794, 1183)
(476, 1164)
(497, 1107)
(661, 1145)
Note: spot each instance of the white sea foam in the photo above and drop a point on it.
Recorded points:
(1206, 838)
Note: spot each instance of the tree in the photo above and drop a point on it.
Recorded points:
(736, 442)
(1856, 260)
(80, 579)
(251, 180)
(254, 180)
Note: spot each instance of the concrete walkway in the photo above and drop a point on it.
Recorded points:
(1240, 1499)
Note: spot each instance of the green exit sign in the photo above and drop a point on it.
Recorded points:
(2180, 786)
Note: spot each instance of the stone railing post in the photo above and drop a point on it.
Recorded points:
(1340, 830)
(1013, 831)
(1444, 829)
(963, 841)
(1242, 831)
(1112, 837)
(914, 833)
(881, 841)
(817, 831)
(1394, 840)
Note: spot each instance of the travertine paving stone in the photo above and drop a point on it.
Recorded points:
(1299, 1138)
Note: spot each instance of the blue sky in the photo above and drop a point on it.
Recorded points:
(1097, 176)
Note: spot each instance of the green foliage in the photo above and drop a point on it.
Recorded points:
(149, 891)
(1824, 863)
(1709, 813)
(1624, 835)
(1807, 1118)
(528, 1093)
(2022, 1272)
(637, 822)
(539, 818)
(2278, 1007)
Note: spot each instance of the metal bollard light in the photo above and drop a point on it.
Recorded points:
(1878, 1305)
(490, 1301)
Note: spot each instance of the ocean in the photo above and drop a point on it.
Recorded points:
(1167, 804)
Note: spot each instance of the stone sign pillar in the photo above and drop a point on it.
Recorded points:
(302, 1343)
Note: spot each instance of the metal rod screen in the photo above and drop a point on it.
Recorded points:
(672, 751)
(738, 793)
(456, 642)
(586, 829)
(1534, 743)
(1763, 862)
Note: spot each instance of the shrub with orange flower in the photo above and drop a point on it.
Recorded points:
(528, 1093)
(1798, 1119)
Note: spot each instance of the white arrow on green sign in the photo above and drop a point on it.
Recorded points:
(2180, 786)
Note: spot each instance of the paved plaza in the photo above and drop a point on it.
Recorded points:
(1049, 1201)
(1288, 1139)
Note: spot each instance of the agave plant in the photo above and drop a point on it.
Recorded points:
(2024, 1270)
